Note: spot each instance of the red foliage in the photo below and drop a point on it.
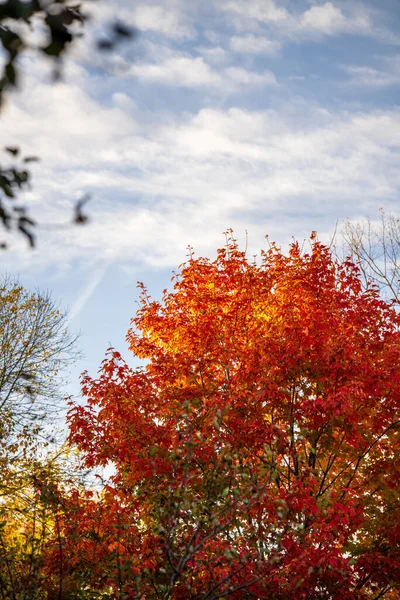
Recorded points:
(257, 452)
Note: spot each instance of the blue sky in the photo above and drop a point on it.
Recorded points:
(271, 117)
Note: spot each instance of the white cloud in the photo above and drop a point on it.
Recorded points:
(159, 19)
(329, 19)
(165, 18)
(187, 178)
(49, 113)
(185, 71)
(251, 44)
(366, 76)
(239, 76)
(214, 54)
(321, 19)
(162, 180)
(371, 77)
(189, 71)
(265, 11)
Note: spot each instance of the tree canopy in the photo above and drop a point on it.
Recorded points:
(35, 347)
(256, 453)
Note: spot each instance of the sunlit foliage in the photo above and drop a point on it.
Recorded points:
(256, 454)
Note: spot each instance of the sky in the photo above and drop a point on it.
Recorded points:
(269, 117)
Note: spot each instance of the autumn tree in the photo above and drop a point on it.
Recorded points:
(256, 454)
(30, 520)
(35, 347)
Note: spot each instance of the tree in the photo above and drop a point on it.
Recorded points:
(29, 522)
(34, 348)
(256, 453)
(375, 249)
